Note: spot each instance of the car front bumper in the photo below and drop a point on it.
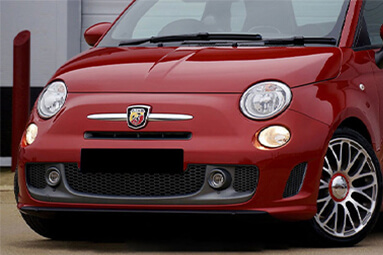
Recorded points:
(221, 137)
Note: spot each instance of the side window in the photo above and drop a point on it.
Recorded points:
(371, 19)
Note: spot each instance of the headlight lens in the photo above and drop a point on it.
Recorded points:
(265, 100)
(52, 99)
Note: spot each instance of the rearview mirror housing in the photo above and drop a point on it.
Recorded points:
(95, 32)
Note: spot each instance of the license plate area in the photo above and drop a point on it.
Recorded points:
(132, 161)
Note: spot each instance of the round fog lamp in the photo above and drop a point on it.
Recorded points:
(274, 136)
(31, 133)
(219, 179)
(53, 177)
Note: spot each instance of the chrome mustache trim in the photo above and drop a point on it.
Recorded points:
(151, 117)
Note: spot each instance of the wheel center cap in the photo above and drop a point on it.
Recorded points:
(339, 188)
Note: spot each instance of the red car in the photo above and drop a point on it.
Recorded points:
(233, 106)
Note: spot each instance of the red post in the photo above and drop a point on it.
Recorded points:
(21, 89)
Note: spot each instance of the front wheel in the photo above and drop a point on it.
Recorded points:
(349, 198)
(50, 228)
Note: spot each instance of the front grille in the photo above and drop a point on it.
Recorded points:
(35, 175)
(138, 135)
(295, 181)
(136, 184)
(140, 185)
(245, 178)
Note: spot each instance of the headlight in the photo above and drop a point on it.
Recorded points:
(52, 99)
(265, 100)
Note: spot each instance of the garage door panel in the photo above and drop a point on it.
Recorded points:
(104, 6)
(90, 20)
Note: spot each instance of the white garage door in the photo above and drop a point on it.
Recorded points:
(95, 11)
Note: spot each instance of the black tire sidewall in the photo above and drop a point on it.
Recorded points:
(16, 185)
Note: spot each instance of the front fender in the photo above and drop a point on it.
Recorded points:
(333, 102)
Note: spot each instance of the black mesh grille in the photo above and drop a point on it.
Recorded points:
(140, 184)
(136, 184)
(245, 178)
(36, 176)
(295, 181)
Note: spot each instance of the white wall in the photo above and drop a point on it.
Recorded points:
(55, 27)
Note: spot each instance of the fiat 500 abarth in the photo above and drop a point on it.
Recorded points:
(233, 106)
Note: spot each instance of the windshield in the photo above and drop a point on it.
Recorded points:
(269, 19)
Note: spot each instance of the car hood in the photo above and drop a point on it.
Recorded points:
(196, 70)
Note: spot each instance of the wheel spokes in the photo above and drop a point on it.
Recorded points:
(341, 213)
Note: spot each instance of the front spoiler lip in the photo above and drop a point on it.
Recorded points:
(51, 212)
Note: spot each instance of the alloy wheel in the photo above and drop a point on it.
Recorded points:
(348, 189)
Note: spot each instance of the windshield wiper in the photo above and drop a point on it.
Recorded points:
(193, 37)
(301, 41)
(296, 40)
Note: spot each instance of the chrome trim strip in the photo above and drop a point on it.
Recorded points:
(108, 116)
(168, 117)
(151, 117)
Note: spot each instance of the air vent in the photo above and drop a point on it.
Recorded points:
(295, 181)
(138, 135)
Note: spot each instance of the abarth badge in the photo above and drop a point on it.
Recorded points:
(137, 116)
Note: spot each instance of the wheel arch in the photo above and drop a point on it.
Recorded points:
(366, 124)
(357, 125)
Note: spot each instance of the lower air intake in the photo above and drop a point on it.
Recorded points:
(136, 184)
(153, 184)
(295, 181)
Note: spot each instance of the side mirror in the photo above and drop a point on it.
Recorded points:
(95, 32)
(379, 54)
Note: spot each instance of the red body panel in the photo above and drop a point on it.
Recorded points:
(208, 83)
(173, 69)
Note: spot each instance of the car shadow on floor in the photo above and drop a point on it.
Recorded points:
(182, 234)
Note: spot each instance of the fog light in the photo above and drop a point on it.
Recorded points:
(274, 136)
(31, 133)
(53, 177)
(219, 179)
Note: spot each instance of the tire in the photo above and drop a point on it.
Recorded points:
(76, 227)
(16, 186)
(350, 191)
(50, 228)
(44, 227)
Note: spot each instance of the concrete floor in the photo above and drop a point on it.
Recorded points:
(6, 179)
(232, 237)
